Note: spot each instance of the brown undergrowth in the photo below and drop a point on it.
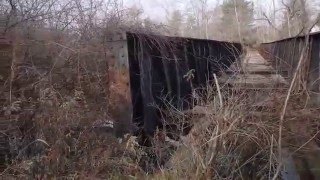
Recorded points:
(68, 135)
(239, 139)
(63, 129)
(233, 140)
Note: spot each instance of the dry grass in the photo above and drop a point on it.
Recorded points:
(232, 137)
(59, 139)
(234, 140)
(240, 140)
(231, 141)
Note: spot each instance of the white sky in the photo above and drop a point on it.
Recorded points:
(156, 9)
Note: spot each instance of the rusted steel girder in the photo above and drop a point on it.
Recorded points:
(6, 53)
(285, 55)
(5, 58)
(168, 68)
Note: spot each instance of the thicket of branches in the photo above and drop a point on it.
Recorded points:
(224, 20)
(242, 20)
(60, 86)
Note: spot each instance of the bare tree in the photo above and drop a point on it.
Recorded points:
(237, 19)
(296, 19)
(175, 23)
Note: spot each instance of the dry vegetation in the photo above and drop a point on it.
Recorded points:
(65, 91)
(235, 140)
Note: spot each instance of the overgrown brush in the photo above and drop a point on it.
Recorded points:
(228, 137)
(225, 136)
(227, 140)
(61, 126)
(239, 138)
(68, 136)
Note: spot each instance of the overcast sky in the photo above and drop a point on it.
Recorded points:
(156, 9)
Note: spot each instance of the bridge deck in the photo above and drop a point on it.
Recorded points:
(254, 72)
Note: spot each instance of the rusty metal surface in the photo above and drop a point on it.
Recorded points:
(5, 58)
(168, 69)
(6, 54)
(119, 48)
(285, 54)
